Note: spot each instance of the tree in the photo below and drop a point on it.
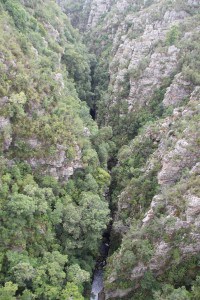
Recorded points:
(170, 293)
(173, 35)
(20, 204)
(22, 273)
(196, 289)
(71, 292)
(18, 13)
(50, 276)
(8, 291)
(94, 217)
(77, 275)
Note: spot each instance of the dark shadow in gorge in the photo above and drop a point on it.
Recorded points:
(93, 113)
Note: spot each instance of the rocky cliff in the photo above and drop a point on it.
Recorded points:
(157, 214)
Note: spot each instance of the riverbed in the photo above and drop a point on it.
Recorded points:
(97, 284)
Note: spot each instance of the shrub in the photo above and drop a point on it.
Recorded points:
(172, 35)
(19, 15)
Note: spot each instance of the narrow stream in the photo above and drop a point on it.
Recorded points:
(97, 284)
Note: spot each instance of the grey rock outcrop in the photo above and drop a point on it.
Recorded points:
(58, 165)
(97, 9)
(179, 90)
(5, 131)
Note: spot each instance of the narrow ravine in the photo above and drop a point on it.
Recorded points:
(97, 284)
(97, 291)
(99, 142)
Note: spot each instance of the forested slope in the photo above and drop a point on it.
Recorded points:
(50, 225)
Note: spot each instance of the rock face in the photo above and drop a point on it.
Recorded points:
(5, 129)
(193, 209)
(139, 51)
(171, 222)
(97, 10)
(58, 165)
(179, 89)
(183, 157)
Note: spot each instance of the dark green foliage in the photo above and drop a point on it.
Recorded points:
(173, 35)
(170, 293)
(126, 125)
(44, 220)
(78, 67)
(190, 59)
(18, 13)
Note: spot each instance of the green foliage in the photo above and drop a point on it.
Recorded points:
(71, 292)
(127, 124)
(76, 275)
(44, 217)
(169, 293)
(102, 178)
(128, 174)
(190, 60)
(18, 13)
(8, 291)
(173, 35)
(196, 289)
(78, 67)
(149, 282)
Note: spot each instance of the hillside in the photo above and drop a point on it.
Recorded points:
(52, 181)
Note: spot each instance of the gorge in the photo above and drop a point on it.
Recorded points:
(99, 149)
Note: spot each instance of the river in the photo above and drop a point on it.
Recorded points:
(97, 284)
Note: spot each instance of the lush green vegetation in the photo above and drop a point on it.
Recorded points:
(50, 227)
